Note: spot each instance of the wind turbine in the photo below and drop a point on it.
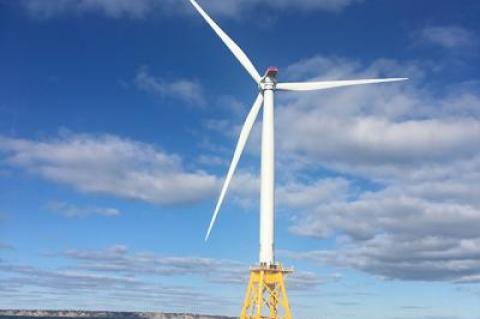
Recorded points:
(268, 276)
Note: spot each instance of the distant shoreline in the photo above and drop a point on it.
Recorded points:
(103, 314)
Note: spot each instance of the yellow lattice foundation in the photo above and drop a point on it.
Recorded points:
(266, 296)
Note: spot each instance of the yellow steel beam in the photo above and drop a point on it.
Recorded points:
(266, 296)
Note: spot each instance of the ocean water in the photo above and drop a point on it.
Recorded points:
(46, 317)
(112, 316)
(122, 315)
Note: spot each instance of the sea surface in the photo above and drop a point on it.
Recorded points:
(133, 316)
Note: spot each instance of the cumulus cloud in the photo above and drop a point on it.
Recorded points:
(107, 164)
(185, 90)
(132, 278)
(449, 37)
(74, 211)
(117, 273)
(380, 147)
(411, 231)
(118, 259)
(390, 257)
(27, 286)
(417, 148)
(392, 212)
(231, 8)
(141, 8)
(378, 131)
(295, 194)
(110, 8)
(290, 194)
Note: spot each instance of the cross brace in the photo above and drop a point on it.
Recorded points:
(266, 296)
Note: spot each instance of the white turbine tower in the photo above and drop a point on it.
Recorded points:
(267, 86)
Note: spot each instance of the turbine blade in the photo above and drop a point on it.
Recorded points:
(234, 48)
(242, 140)
(322, 85)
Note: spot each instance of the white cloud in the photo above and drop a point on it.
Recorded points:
(188, 91)
(27, 287)
(111, 8)
(135, 278)
(141, 8)
(474, 279)
(424, 259)
(381, 141)
(110, 165)
(290, 194)
(74, 211)
(231, 8)
(119, 260)
(449, 37)
(300, 195)
(419, 149)
(382, 130)
(393, 212)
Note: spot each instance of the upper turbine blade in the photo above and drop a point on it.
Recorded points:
(242, 140)
(322, 85)
(239, 54)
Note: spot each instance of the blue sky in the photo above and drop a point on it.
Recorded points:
(118, 120)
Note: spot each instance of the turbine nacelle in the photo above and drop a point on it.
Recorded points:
(272, 72)
(269, 80)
